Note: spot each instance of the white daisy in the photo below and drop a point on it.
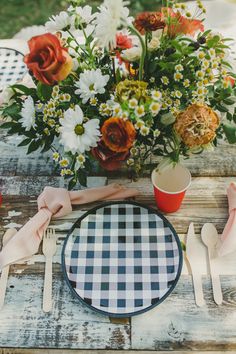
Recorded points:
(28, 114)
(145, 131)
(78, 134)
(59, 22)
(111, 16)
(91, 83)
(156, 95)
(84, 13)
(133, 103)
(140, 111)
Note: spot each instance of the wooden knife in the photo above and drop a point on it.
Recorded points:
(193, 260)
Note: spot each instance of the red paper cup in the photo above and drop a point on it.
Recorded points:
(170, 186)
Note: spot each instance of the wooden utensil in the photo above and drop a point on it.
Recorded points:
(49, 249)
(5, 271)
(210, 239)
(192, 257)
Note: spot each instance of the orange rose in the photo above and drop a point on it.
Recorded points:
(149, 21)
(177, 24)
(118, 134)
(48, 60)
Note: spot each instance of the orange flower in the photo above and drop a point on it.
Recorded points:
(48, 60)
(108, 159)
(197, 125)
(149, 21)
(118, 134)
(122, 42)
(177, 24)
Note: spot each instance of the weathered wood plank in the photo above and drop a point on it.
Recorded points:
(14, 161)
(56, 351)
(70, 325)
(205, 201)
(178, 324)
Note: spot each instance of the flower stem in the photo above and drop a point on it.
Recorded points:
(144, 51)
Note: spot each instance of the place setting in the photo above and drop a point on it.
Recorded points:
(144, 101)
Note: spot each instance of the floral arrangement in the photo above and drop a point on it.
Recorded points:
(111, 90)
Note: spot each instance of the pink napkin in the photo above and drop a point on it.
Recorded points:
(56, 202)
(228, 238)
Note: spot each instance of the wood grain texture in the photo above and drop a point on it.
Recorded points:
(178, 324)
(14, 161)
(70, 325)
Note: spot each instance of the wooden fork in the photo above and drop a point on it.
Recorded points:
(49, 250)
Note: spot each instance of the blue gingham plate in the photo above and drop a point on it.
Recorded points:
(12, 67)
(122, 258)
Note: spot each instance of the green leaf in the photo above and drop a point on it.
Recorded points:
(221, 108)
(12, 111)
(25, 142)
(6, 125)
(230, 132)
(44, 91)
(82, 177)
(26, 90)
(213, 41)
(34, 145)
(72, 184)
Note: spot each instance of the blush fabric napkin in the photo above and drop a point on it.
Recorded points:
(55, 202)
(228, 237)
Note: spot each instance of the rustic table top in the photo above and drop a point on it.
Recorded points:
(175, 325)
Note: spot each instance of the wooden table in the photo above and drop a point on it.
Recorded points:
(175, 325)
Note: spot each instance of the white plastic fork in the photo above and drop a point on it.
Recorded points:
(49, 250)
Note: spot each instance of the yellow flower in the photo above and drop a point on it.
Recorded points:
(201, 55)
(186, 83)
(155, 108)
(64, 163)
(156, 95)
(178, 76)
(133, 103)
(140, 111)
(56, 156)
(200, 74)
(165, 80)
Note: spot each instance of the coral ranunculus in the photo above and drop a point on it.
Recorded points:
(118, 134)
(123, 41)
(149, 22)
(177, 24)
(108, 159)
(48, 60)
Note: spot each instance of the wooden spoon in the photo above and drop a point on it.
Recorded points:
(5, 271)
(210, 239)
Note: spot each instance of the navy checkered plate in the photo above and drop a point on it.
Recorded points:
(122, 258)
(12, 67)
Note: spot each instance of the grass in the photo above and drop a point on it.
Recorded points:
(16, 14)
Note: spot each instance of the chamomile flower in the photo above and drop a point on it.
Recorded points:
(156, 133)
(130, 162)
(139, 124)
(200, 84)
(179, 67)
(140, 111)
(178, 76)
(133, 103)
(178, 94)
(125, 115)
(144, 131)
(93, 101)
(186, 83)
(200, 74)
(155, 108)
(212, 52)
(80, 160)
(117, 110)
(56, 156)
(66, 172)
(91, 83)
(165, 80)
(46, 131)
(200, 91)
(156, 95)
(134, 151)
(201, 55)
(27, 114)
(64, 163)
(78, 134)
(215, 64)
(205, 64)
(104, 110)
